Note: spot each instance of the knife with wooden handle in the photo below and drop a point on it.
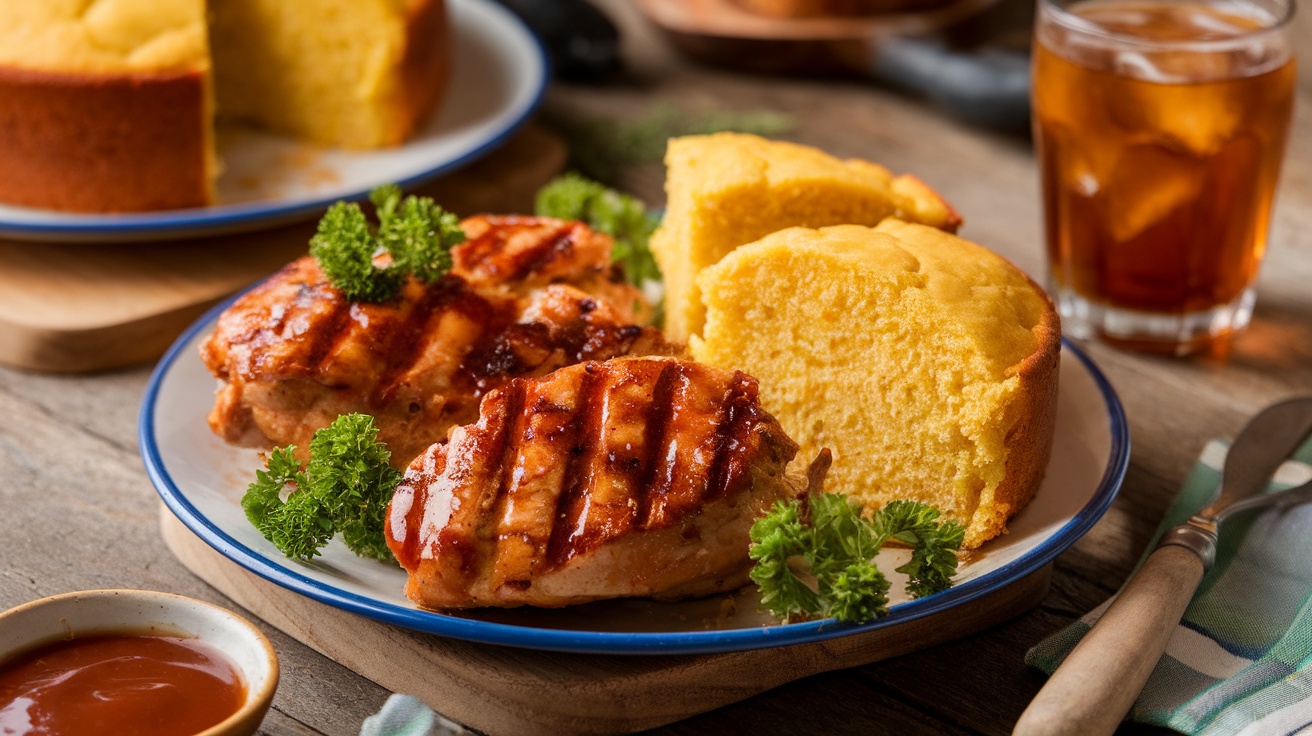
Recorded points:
(1100, 679)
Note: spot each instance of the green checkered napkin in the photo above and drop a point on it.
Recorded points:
(1240, 661)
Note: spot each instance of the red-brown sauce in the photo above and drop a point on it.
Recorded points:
(126, 685)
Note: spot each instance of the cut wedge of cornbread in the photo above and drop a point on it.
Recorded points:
(348, 73)
(926, 363)
(727, 189)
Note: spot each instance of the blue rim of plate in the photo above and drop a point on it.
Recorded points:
(604, 642)
(220, 219)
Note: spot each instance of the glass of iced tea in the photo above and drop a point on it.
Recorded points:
(1160, 126)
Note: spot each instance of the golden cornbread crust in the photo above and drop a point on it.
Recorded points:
(926, 363)
(101, 142)
(425, 68)
(1030, 438)
(727, 189)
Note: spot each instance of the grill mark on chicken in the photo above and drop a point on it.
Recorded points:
(664, 494)
(611, 509)
(602, 341)
(487, 250)
(412, 536)
(294, 353)
(326, 334)
(407, 340)
(512, 350)
(686, 462)
(729, 440)
(411, 339)
(458, 553)
(559, 245)
(665, 465)
(662, 413)
(572, 500)
(512, 407)
(463, 540)
(629, 453)
(492, 320)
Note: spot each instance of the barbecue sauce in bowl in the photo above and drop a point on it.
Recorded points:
(124, 684)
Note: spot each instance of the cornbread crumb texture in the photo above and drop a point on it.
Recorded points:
(909, 352)
(727, 189)
(354, 73)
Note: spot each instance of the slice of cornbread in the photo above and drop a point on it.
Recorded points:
(727, 189)
(925, 362)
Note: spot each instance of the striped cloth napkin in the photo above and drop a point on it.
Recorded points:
(406, 715)
(1240, 661)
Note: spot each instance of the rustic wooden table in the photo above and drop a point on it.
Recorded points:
(77, 511)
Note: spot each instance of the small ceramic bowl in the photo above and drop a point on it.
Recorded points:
(147, 612)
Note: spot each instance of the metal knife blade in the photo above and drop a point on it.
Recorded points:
(1259, 450)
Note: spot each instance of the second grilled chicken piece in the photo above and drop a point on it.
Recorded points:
(629, 477)
(526, 296)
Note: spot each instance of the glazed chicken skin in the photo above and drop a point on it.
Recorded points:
(636, 476)
(526, 295)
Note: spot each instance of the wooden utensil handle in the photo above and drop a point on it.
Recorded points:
(1100, 679)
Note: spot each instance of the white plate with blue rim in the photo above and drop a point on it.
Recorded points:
(201, 480)
(499, 74)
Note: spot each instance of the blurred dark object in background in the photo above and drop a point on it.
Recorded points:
(834, 8)
(988, 87)
(584, 45)
(970, 57)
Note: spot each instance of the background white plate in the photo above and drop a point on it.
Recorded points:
(499, 73)
(202, 480)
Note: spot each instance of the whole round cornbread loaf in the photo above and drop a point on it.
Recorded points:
(108, 105)
(105, 106)
(926, 363)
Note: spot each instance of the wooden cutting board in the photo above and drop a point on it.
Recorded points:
(505, 690)
(85, 307)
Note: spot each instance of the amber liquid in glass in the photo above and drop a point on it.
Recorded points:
(1159, 167)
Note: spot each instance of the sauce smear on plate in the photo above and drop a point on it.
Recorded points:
(128, 685)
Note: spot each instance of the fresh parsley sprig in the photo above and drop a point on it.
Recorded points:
(414, 231)
(345, 487)
(816, 557)
(624, 218)
(933, 543)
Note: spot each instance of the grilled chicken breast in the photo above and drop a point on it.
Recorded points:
(526, 296)
(629, 477)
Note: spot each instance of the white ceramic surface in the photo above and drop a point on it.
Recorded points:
(94, 612)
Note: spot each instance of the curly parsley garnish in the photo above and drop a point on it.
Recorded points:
(344, 488)
(816, 558)
(624, 218)
(416, 232)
